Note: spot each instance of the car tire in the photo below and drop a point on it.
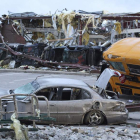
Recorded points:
(94, 117)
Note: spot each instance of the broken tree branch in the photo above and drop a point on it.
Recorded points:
(3, 49)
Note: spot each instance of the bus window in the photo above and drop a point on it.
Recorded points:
(117, 65)
(134, 69)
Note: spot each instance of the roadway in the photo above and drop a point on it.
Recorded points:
(14, 80)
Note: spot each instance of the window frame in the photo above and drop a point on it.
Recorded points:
(90, 95)
(138, 74)
(117, 65)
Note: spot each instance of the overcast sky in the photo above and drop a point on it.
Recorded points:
(44, 6)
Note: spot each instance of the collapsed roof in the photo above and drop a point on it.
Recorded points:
(63, 32)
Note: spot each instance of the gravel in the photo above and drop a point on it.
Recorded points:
(60, 132)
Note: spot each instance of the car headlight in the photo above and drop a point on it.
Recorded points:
(120, 108)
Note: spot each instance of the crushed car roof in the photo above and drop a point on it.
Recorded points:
(60, 82)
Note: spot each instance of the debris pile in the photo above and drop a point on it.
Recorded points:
(67, 37)
(50, 64)
(82, 133)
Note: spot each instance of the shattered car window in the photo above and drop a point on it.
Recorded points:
(35, 84)
(95, 90)
(26, 89)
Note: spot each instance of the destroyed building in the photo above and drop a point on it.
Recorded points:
(76, 37)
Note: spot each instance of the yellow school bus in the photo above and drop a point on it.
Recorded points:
(124, 56)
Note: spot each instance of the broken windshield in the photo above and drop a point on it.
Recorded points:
(26, 89)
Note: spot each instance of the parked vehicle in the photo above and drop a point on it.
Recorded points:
(72, 102)
(123, 56)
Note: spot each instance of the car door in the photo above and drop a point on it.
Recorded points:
(72, 111)
(43, 103)
(52, 108)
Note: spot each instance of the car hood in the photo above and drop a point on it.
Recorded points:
(4, 92)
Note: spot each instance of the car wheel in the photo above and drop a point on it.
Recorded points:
(94, 117)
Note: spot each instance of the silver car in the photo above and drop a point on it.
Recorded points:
(74, 102)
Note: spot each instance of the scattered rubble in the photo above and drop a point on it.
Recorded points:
(81, 132)
(68, 37)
